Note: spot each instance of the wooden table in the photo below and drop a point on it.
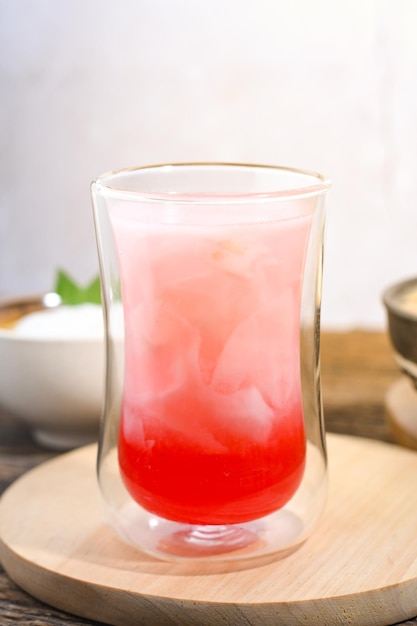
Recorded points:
(357, 369)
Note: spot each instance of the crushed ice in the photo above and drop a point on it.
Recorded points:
(83, 321)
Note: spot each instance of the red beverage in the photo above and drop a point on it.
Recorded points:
(212, 428)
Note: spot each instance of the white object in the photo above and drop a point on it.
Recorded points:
(84, 321)
(52, 369)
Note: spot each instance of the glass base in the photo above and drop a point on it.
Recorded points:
(269, 537)
(282, 531)
(206, 541)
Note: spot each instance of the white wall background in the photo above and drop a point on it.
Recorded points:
(92, 85)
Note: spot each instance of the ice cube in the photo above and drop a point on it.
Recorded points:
(161, 353)
(240, 415)
(263, 351)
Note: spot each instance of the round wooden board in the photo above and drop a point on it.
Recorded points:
(359, 567)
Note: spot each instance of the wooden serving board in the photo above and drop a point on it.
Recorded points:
(358, 568)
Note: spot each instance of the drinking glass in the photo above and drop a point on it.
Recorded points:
(212, 444)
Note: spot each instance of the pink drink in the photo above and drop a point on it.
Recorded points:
(212, 428)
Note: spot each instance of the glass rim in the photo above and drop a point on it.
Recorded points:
(319, 184)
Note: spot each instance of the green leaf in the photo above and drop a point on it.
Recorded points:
(92, 293)
(72, 294)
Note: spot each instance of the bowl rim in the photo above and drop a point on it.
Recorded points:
(45, 300)
(390, 298)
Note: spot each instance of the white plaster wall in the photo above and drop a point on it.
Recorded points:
(92, 85)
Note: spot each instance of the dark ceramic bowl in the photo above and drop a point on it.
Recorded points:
(400, 301)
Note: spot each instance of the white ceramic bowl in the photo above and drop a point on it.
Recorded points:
(53, 384)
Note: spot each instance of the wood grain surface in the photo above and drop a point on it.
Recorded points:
(358, 569)
(357, 369)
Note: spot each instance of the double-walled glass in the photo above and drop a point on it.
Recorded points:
(212, 444)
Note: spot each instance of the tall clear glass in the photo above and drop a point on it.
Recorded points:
(212, 444)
